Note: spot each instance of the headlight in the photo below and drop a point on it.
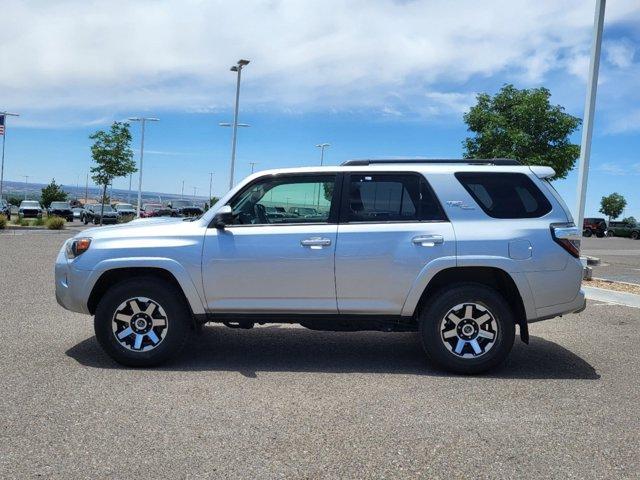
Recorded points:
(77, 247)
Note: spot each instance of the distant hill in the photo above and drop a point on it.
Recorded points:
(33, 191)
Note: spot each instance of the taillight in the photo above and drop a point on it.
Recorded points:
(567, 235)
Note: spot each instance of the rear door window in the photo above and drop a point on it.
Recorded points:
(505, 195)
(390, 197)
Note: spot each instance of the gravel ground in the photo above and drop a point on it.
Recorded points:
(620, 258)
(277, 402)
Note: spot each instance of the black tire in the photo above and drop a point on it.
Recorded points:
(95, 221)
(587, 233)
(167, 296)
(432, 320)
(85, 220)
(635, 235)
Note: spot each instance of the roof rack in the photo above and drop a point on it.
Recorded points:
(463, 161)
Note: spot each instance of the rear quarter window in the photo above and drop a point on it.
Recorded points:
(505, 195)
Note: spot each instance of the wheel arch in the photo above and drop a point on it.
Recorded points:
(494, 277)
(112, 276)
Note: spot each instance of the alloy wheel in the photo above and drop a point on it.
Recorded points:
(140, 324)
(469, 330)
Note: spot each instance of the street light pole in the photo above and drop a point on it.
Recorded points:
(3, 123)
(210, 186)
(236, 68)
(26, 183)
(589, 110)
(195, 189)
(321, 146)
(143, 121)
(253, 164)
(182, 191)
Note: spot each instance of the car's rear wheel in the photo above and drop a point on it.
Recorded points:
(142, 322)
(635, 235)
(587, 233)
(467, 328)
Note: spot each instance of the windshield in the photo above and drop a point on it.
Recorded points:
(124, 206)
(152, 208)
(180, 203)
(59, 205)
(30, 204)
(107, 208)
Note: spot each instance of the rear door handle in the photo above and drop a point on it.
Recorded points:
(315, 242)
(428, 240)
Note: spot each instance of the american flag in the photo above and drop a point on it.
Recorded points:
(2, 124)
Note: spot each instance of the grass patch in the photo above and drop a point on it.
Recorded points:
(3, 222)
(55, 223)
(38, 222)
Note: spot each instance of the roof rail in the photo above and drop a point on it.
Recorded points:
(463, 161)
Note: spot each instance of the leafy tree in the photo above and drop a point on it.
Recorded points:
(612, 205)
(630, 220)
(113, 157)
(52, 193)
(13, 200)
(522, 124)
(212, 202)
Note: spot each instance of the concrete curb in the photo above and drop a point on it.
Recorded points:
(609, 296)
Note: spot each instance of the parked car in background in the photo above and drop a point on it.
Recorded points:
(60, 209)
(184, 208)
(594, 226)
(396, 248)
(155, 210)
(29, 209)
(5, 208)
(93, 213)
(624, 229)
(303, 211)
(77, 212)
(124, 209)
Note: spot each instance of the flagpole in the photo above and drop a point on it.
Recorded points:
(4, 139)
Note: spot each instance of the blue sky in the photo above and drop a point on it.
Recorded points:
(374, 79)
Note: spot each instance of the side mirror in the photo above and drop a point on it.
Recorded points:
(223, 217)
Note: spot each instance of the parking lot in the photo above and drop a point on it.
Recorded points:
(281, 401)
(620, 258)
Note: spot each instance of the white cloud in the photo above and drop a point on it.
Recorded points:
(628, 121)
(312, 55)
(620, 53)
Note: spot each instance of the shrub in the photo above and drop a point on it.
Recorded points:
(23, 222)
(16, 220)
(3, 222)
(55, 223)
(38, 222)
(125, 218)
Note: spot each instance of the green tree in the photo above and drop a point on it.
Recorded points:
(113, 157)
(52, 193)
(14, 200)
(523, 125)
(612, 205)
(631, 220)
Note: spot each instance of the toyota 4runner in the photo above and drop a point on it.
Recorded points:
(461, 251)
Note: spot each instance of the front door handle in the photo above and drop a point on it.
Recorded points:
(315, 242)
(428, 240)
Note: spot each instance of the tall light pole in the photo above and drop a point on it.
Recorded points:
(26, 183)
(322, 146)
(236, 68)
(195, 189)
(143, 121)
(589, 110)
(253, 164)
(3, 128)
(210, 186)
(182, 191)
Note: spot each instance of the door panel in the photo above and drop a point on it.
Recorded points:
(268, 269)
(376, 265)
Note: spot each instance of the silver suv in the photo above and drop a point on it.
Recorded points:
(460, 251)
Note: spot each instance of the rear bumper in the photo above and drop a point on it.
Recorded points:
(577, 305)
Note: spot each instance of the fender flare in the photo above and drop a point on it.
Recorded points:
(173, 267)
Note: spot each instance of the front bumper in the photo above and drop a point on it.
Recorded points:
(71, 284)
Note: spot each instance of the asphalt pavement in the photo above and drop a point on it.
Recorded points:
(286, 402)
(619, 257)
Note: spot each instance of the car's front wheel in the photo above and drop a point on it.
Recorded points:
(587, 233)
(635, 235)
(142, 322)
(467, 328)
